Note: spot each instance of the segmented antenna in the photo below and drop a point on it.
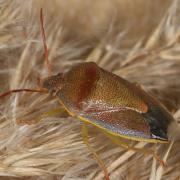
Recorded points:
(46, 60)
(22, 90)
(46, 52)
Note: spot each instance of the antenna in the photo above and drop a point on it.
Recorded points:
(46, 52)
(42, 90)
(22, 90)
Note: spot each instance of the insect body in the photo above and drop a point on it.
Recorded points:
(111, 103)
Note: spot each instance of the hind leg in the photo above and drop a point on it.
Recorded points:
(125, 145)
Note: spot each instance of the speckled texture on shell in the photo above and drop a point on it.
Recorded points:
(111, 102)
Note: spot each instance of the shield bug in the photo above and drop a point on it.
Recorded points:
(116, 106)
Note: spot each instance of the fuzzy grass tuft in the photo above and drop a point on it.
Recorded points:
(138, 40)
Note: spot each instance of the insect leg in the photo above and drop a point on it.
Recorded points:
(49, 113)
(96, 156)
(142, 150)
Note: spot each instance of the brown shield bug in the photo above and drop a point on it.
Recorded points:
(116, 106)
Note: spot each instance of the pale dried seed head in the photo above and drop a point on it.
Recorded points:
(147, 53)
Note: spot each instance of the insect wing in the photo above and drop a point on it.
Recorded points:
(123, 122)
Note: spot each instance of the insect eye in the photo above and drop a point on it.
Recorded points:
(59, 74)
(45, 84)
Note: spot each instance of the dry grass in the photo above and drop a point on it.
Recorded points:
(138, 40)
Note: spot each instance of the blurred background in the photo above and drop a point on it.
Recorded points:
(137, 40)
